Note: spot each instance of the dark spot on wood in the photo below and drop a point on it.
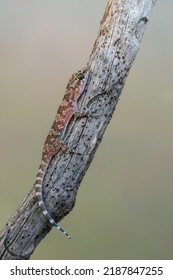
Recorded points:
(63, 204)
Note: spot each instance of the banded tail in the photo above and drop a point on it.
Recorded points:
(39, 195)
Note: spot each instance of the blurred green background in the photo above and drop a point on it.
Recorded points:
(124, 206)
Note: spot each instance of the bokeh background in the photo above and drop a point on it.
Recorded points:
(124, 206)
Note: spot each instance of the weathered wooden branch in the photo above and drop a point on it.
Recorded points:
(115, 49)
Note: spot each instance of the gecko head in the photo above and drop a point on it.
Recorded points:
(78, 79)
(80, 75)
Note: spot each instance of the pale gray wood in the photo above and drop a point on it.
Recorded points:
(114, 51)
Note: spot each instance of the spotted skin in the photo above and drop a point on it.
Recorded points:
(54, 142)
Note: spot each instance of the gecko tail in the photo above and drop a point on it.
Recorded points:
(45, 211)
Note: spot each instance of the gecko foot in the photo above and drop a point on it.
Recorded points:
(83, 113)
(86, 112)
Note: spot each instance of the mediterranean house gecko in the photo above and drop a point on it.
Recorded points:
(54, 141)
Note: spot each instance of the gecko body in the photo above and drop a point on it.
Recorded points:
(54, 141)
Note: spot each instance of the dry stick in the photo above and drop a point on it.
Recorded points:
(116, 46)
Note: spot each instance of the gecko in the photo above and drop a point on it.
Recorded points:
(54, 141)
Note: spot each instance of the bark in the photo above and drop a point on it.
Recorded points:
(117, 44)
